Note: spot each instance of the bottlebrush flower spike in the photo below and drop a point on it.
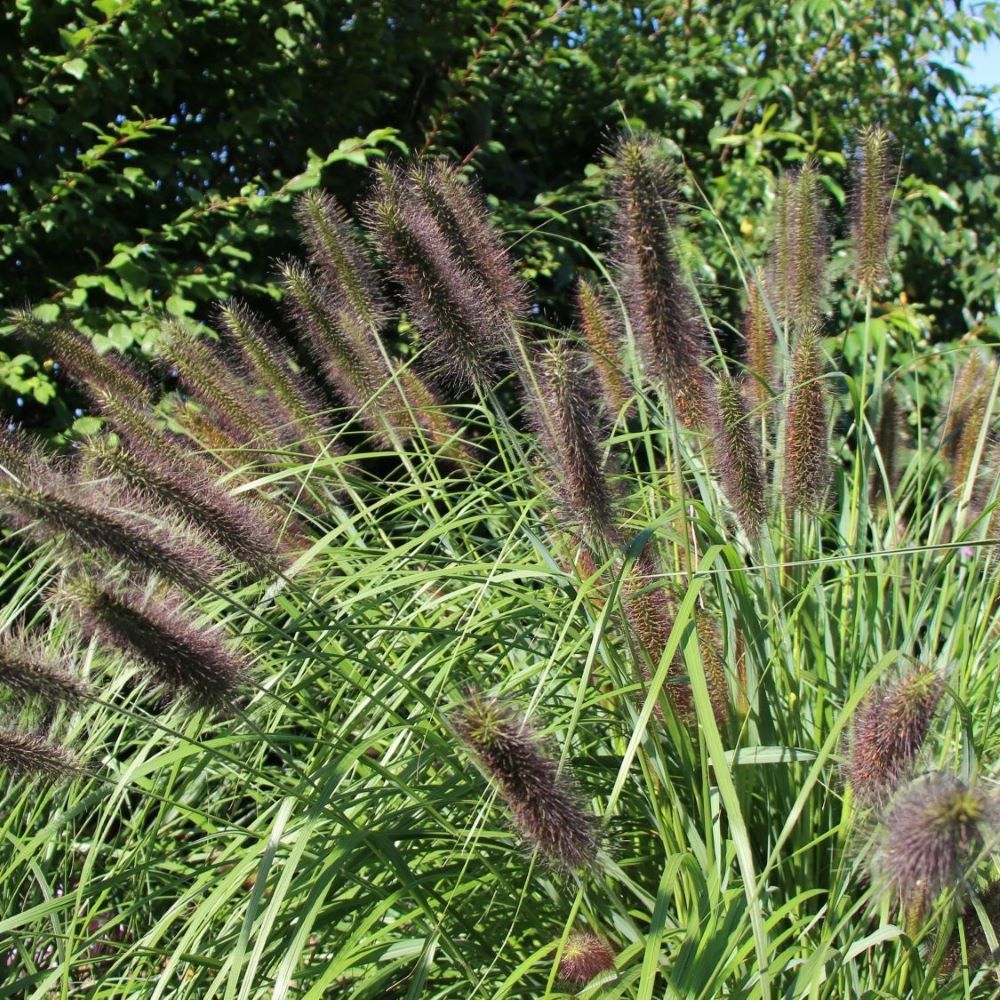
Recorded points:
(603, 336)
(266, 362)
(89, 369)
(449, 304)
(47, 504)
(209, 376)
(872, 215)
(889, 730)
(738, 458)
(565, 416)
(233, 524)
(669, 330)
(937, 828)
(760, 340)
(968, 409)
(344, 351)
(463, 220)
(798, 264)
(887, 441)
(32, 754)
(585, 956)
(807, 466)
(29, 669)
(338, 253)
(160, 632)
(544, 803)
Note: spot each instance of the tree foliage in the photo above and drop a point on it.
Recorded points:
(149, 151)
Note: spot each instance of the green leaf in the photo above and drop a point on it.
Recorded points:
(75, 67)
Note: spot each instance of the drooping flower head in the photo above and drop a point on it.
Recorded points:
(585, 956)
(889, 731)
(543, 801)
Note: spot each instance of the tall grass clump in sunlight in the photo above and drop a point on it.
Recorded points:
(414, 647)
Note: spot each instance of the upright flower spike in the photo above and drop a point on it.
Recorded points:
(872, 214)
(760, 340)
(807, 466)
(669, 329)
(337, 252)
(585, 957)
(266, 362)
(29, 669)
(968, 410)
(464, 222)
(799, 249)
(889, 730)
(602, 334)
(162, 635)
(937, 828)
(738, 458)
(543, 802)
(449, 304)
(209, 376)
(344, 351)
(33, 755)
(566, 419)
(887, 440)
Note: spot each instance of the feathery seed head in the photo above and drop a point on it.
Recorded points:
(266, 362)
(937, 828)
(162, 635)
(738, 458)
(338, 253)
(887, 441)
(889, 731)
(603, 336)
(29, 669)
(872, 213)
(31, 754)
(758, 334)
(807, 466)
(448, 303)
(464, 223)
(799, 250)
(968, 409)
(93, 525)
(585, 956)
(566, 418)
(544, 803)
(660, 302)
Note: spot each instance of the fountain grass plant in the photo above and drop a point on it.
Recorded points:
(632, 686)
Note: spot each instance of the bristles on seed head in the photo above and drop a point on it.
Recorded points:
(977, 946)
(662, 309)
(585, 956)
(807, 465)
(448, 303)
(543, 801)
(889, 731)
(936, 829)
(872, 214)
(566, 418)
(760, 340)
(32, 755)
(738, 458)
(464, 222)
(602, 334)
(798, 264)
(32, 669)
(162, 635)
(338, 253)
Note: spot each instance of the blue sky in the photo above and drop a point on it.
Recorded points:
(984, 64)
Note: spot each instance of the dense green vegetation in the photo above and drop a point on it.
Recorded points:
(150, 152)
(678, 681)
